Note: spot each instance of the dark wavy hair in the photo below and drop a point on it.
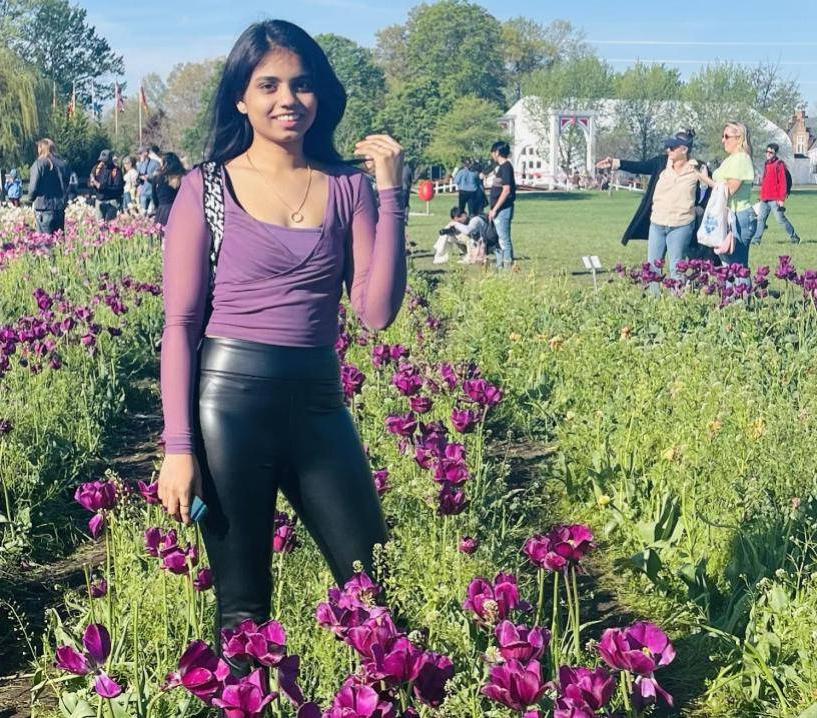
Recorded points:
(231, 132)
(171, 166)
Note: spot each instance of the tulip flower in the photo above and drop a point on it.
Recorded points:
(284, 539)
(421, 404)
(402, 425)
(582, 686)
(407, 380)
(492, 602)
(97, 643)
(203, 580)
(640, 649)
(96, 495)
(432, 672)
(352, 380)
(149, 492)
(468, 545)
(359, 701)
(516, 685)
(99, 588)
(521, 643)
(265, 644)
(201, 672)
(450, 501)
(381, 481)
(247, 698)
(464, 420)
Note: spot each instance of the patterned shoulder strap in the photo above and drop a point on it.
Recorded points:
(213, 212)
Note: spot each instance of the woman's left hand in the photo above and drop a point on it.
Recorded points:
(387, 156)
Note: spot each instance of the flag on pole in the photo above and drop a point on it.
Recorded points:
(143, 100)
(119, 101)
(72, 106)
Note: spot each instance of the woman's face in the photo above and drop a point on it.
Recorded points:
(730, 139)
(280, 101)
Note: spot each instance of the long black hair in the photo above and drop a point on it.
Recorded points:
(231, 132)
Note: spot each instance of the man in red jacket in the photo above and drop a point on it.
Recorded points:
(773, 193)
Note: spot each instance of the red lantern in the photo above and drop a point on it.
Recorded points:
(425, 190)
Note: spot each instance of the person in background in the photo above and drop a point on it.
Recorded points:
(73, 186)
(130, 176)
(14, 187)
(147, 167)
(47, 188)
(503, 197)
(738, 172)
(166, 185)
(774, 191)
(107, 185)
(471, 234)
(666, 216)
(468, 185)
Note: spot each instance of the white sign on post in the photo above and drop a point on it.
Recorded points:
(593, 263)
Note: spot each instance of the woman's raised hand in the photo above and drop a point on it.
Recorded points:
(605, 164)
(387, 156)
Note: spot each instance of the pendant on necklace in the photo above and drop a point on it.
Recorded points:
(296, 217)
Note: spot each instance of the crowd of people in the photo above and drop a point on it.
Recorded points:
(146, 185)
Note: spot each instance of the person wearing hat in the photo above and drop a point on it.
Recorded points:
(666, 216)
(108, 185)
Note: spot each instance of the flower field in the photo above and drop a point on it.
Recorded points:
(600, 503)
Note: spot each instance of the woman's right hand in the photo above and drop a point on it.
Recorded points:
(179, 482)
(605, 164)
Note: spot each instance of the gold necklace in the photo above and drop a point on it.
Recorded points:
(296, 214)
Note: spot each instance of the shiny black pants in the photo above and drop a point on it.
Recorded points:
(271, 418)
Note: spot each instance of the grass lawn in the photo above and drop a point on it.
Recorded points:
(551, 231)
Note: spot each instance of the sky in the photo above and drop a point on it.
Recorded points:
(154, 35)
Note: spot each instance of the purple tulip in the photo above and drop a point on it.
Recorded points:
(593, 688)
(381, 355)
(520, 643)
(248, 698)
(359, 701)
(203, 580)
(560, 547)
(395, 661)
(352, 379)
(96, 495)
(482, 392)
(70, 660)
(378, 629)
(402, 425)
(431, 675)
(265, 643)
(96, 525)
(449, 376)
(464, 420)
(421, 404)
(647, 691)
(97, 642)
(398, 352)
(492, 602)
(640, 649)
(450, 501)
(381, 481)
(468, 545)
(451, 466)
(407, 380)
(284, 539)
(5, 426)
(107, 687)
(99, 588)
(516, 685)
(201, 672)
(150, 492)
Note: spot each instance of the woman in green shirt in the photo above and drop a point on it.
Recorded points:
(738, 173)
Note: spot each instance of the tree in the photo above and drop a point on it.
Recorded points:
(410, 114)
(776, 97)
(528, 46)
(466, 131)
(21, 109)
(365, 85)
(79, 141)
(390, 54)
(56, 37)
(454, 42)
(719, 93)
(182, 98)
(647, 104)
(195, 137)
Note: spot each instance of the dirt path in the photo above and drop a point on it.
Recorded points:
(130, 452)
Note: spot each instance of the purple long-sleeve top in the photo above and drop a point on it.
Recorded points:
(274, 285)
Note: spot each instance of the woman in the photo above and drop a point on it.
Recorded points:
(666, 216)
(251, 394)
(108, 186)
(47, 188)
(166, 185)
(738, 172)
(130, 176)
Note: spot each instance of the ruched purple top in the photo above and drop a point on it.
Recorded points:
(274, 285)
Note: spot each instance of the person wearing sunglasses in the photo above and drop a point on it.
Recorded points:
(738, 172)
(666, 216)
(774, 190)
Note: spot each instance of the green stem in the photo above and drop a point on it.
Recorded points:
(570, 613)
(577, 624)
(555, 640)
(279, 586)
(540, 606)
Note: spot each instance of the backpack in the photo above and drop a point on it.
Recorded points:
(788, 179)
(213, 198)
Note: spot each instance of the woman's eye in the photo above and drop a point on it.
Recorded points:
(268, 86)
(304, 86)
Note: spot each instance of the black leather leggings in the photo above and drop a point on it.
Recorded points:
(273, 417)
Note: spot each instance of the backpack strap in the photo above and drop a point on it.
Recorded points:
(213, 197)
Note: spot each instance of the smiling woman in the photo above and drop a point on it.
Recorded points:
(251, 390)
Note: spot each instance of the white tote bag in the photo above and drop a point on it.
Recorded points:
(715, 222)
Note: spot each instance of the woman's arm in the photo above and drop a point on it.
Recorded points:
(732, 185)
(186, 278)
(376, 268)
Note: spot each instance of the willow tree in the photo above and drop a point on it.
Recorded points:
(21, 109)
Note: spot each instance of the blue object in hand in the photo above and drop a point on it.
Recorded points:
(198, 509)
